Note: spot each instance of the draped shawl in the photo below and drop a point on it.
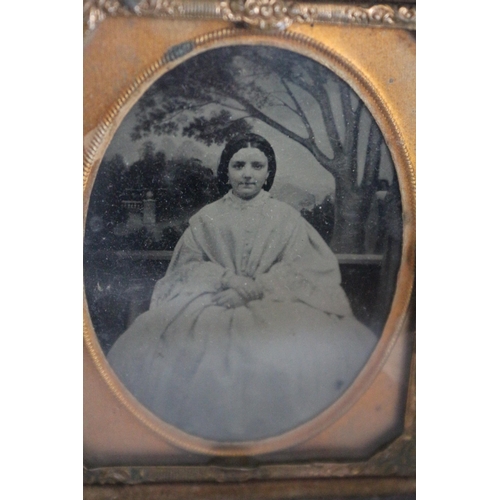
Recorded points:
(256, 370)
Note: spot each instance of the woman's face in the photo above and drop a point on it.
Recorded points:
(247, 172)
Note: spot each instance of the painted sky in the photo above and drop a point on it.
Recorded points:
(295, 165)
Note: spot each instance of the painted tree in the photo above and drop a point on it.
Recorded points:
(220, 93)
(147, 172)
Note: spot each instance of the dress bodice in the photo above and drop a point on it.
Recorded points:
(241, 235)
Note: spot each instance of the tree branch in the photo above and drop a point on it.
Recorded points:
(345, 98)
(373, 156)
(352, 138)
(300, 110)
(305, 142)
(319, 93)
(282, 102)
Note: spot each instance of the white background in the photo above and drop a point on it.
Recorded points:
(458, 280)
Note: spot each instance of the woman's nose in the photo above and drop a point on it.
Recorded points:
(247, 171)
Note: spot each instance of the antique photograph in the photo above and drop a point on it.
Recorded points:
(242, 244)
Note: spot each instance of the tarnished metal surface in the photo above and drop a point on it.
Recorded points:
(264, 14)
(359, 489)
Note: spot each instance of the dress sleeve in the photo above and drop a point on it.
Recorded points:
(308, 272)
(190, 273)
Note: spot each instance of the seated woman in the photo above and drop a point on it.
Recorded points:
(249, 334)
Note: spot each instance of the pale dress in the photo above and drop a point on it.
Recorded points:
(257, 370)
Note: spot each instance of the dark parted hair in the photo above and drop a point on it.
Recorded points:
(242, 142)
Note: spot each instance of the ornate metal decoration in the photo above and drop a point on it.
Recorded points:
(263, 14)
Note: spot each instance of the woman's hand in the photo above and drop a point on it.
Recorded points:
(245, 286)
(229, 298)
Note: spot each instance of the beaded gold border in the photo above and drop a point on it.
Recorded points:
(406, 175)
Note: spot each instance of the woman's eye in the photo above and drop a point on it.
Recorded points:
(237, 166)
(258, 166)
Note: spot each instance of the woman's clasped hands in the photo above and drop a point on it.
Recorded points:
(237, 291)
